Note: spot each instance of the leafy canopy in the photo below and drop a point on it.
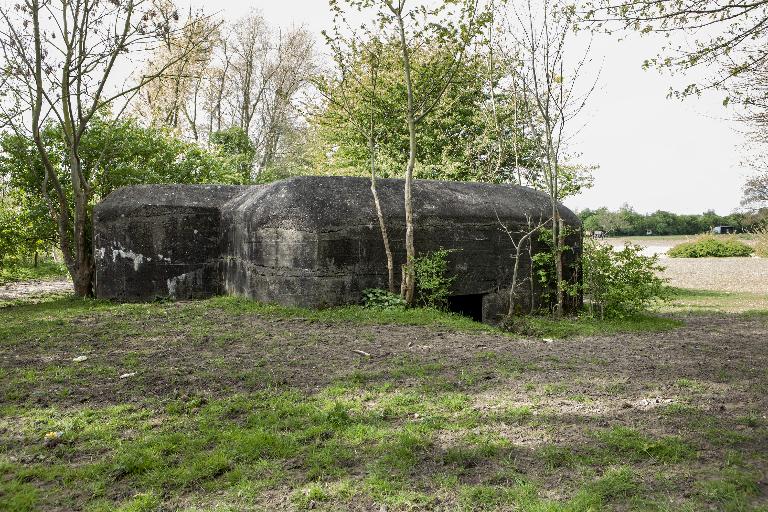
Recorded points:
(459, 140)
(113, 154)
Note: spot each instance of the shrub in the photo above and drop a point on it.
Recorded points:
(761, 239)
(433, 286)
(621, 283)
(18, 269)
(710, 246)
(545, 270)
(375, 298)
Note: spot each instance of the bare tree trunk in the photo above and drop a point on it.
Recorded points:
(410, 249)
(519, 245)
(492, 89)
(516, 97)
(380, 215)
(559, 265)
(531, 276)
(192, 117)
(525, 239)
(513, 287)
(558, 262)
(82, 273)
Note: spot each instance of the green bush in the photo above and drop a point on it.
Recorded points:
(710, 246)
(376, 298)
(433, 286)
(18, 269)
(618, 284)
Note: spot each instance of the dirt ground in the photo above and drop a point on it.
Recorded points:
(683, 412)
(705, 383)
(31, 289)
(646, 364)
(746, 275)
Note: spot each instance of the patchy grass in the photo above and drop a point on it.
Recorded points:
(586, 326)
(633, 445)
(542, 326)
(232, 405)
(355, 314)
(685, 300)
(11, 273)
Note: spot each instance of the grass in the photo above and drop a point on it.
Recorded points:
(237, 405)
(711, 246)
(673, 238)
(707, 301)
(355, 314)
(542, 326)
(10, 273)
(633, 445)
(136, 457)
(586, 326)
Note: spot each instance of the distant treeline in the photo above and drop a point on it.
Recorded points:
(628, 222)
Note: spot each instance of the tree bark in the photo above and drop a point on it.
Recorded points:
(531, 277)
(557, 254)
(559, 265)
(410, 249)
(525, 239)
(82, 273)
(382, 224)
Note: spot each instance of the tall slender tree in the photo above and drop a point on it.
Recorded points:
(355, 95)
(453, 25)
(61, 60)
(549, 80)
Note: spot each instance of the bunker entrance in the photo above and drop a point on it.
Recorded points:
(467, 305)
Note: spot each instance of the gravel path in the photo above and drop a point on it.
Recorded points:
(723, 274)
(749, 275)
(31, 289)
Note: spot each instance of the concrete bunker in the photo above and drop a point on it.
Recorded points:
(314, 241)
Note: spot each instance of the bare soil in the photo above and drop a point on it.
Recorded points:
(34, 289)
(748, 275)
(309, 356)
(738, 275)
(715, 366)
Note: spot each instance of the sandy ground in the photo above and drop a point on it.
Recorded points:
(32, 289)
(748, 275)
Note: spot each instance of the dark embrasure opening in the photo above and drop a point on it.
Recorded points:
(467, 305)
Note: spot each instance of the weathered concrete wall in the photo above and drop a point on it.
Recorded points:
(308, 241)
(160, 241)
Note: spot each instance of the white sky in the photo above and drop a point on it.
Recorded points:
(653, 152)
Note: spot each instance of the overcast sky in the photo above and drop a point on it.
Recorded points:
(654, 153)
